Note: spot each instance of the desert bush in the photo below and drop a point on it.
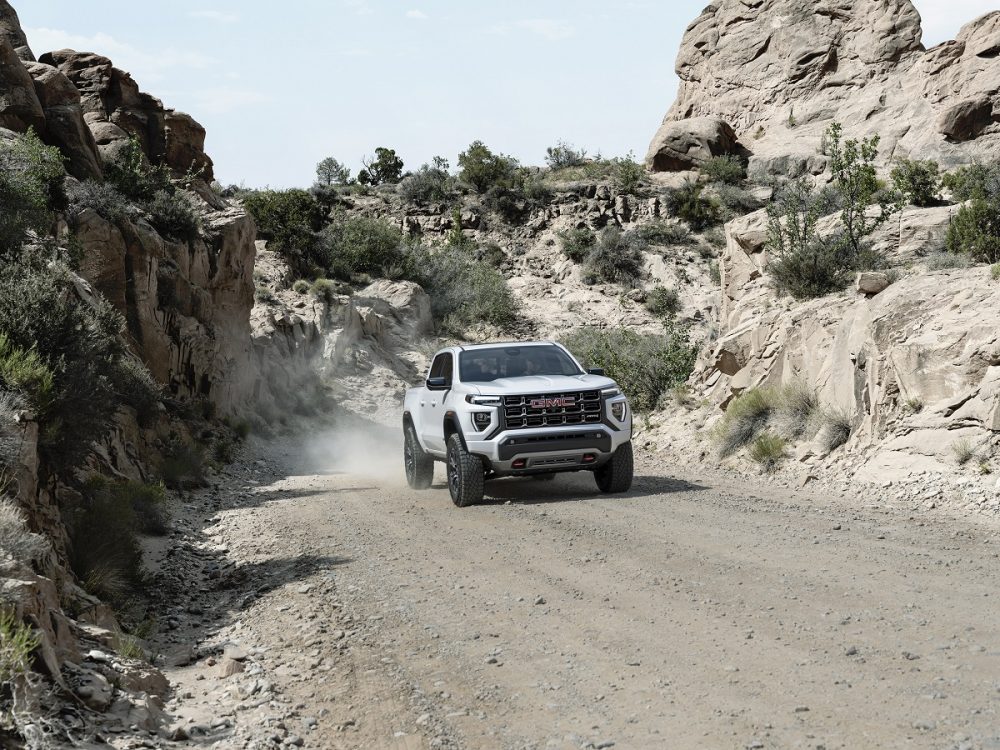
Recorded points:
(102, 197)
(431, 183)
(133, 176)
(360, 245)
(514, 201)
(564, 155)
(689, 204)
(490, 253)
(746, 417)
(31, 186)
(964, 451)
(16, 539)
(577, 243)
(767, 450)
(796, 411)
(627, 174)
(262, 293)
(301, 287)
(463, 291)
(80, 344)
(289, 220)
(17, 642)
(995, 272)
(917, 181)
(664, 233)
(183, 465)
(25, 372)
(663, 302)
(10, 436)
(835, 429)
(482, 169)
(136, 387)
(324, 290)
(330, 172)
(616, 258)
(173, 216)
(972, 181)
(729, 170)
(735, 200)
(385, 167)
(646, 366)
(975, 229)
(939, 261)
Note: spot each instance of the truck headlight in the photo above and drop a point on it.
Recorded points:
(618, 410)
(483, 400)
(481, 420)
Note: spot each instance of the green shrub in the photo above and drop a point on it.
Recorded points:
(16, 539)
(130, 172)
(173, 216)
(767, 450)
(515, 200)
(301, 287)
(183, 465)
(663, 302)
(463, 291)
(324, 290)
(975, 229)
(664, 233)
(735, 201)
(746, 417)
(646, 366)
(938, 261)
(491, 253)
(563, 155)
(627, 174)
(24, 371)
(689, 204)
(715, 273)
(995, 272)
(729, 170)
(917, 181)
(577, 243)
(431, 183)
(135, 386)
(616, 258)
(796, 410)
(385, 167)
(482, 169)
(972, 181)
(102, 197)
(17, 642)
(835, 429)
(80, 344)
(31, 186)
(262, 293)
(289, 220)
(360, 245)
(964, 451)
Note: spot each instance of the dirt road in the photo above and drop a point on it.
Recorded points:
(691, 613)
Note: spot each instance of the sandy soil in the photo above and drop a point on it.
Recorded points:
(693, 612)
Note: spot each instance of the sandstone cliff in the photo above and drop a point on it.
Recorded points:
(766, 77)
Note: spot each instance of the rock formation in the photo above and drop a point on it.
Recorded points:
(778, 72)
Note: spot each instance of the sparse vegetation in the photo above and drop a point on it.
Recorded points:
(791, 412)
(16, 540)
(975, 229)
(385, 167)
(431, 183)
(646, 366)
(663, 302)
(690, 204)
(918, 181)
(616, 258)
(627, 174)
(836, 427)
(360, 245)
(768, 450)
(564, 155)
(964, 451)
(482, 169)
(330, 172)
(31, 187)
(577, 244)
(183, 465)
(663, 233)
(289, 220)
(17, 642)
(729, 170)
(301, 286)
(914, 405)
(995, 272)
(746, 417)
(324, 290)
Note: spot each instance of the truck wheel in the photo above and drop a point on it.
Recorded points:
(465, 474)
(616, 474)
(419, 466)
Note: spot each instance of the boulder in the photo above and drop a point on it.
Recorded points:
(872, 282)
(185, 143)
(10, 28)
(64, 123)
(967, 119)
(680, 145)
(19, 105)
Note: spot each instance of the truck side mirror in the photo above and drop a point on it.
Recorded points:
(437, 384)
(596, 371)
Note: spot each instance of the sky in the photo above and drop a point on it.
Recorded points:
(280, 87)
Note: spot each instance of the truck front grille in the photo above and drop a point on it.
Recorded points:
(552, 409)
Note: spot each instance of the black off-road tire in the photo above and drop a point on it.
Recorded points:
(616, 475)
(419, 465)
(465, 474)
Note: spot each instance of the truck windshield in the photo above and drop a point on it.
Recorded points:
(488, 364)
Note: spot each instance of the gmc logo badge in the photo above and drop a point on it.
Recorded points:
(552, 403)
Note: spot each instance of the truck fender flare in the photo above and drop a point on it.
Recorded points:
(451, 424)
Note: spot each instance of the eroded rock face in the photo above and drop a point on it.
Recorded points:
(685, 144)
(780, 71)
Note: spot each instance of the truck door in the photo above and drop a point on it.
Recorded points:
(432, 404)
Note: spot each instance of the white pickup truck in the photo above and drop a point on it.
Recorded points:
(493, 410)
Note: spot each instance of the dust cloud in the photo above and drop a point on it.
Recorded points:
(358, 447)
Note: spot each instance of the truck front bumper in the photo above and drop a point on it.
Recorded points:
(550, 449)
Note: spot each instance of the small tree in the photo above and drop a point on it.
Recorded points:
(627, 173)
(917, 181)
(384, 167)
(564, 155)
(852, 164)
(331, 172)
(482, 169)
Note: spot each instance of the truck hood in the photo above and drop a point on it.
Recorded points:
(543, 384)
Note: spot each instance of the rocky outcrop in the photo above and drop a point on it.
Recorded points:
(680, 145)
(780, 71)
